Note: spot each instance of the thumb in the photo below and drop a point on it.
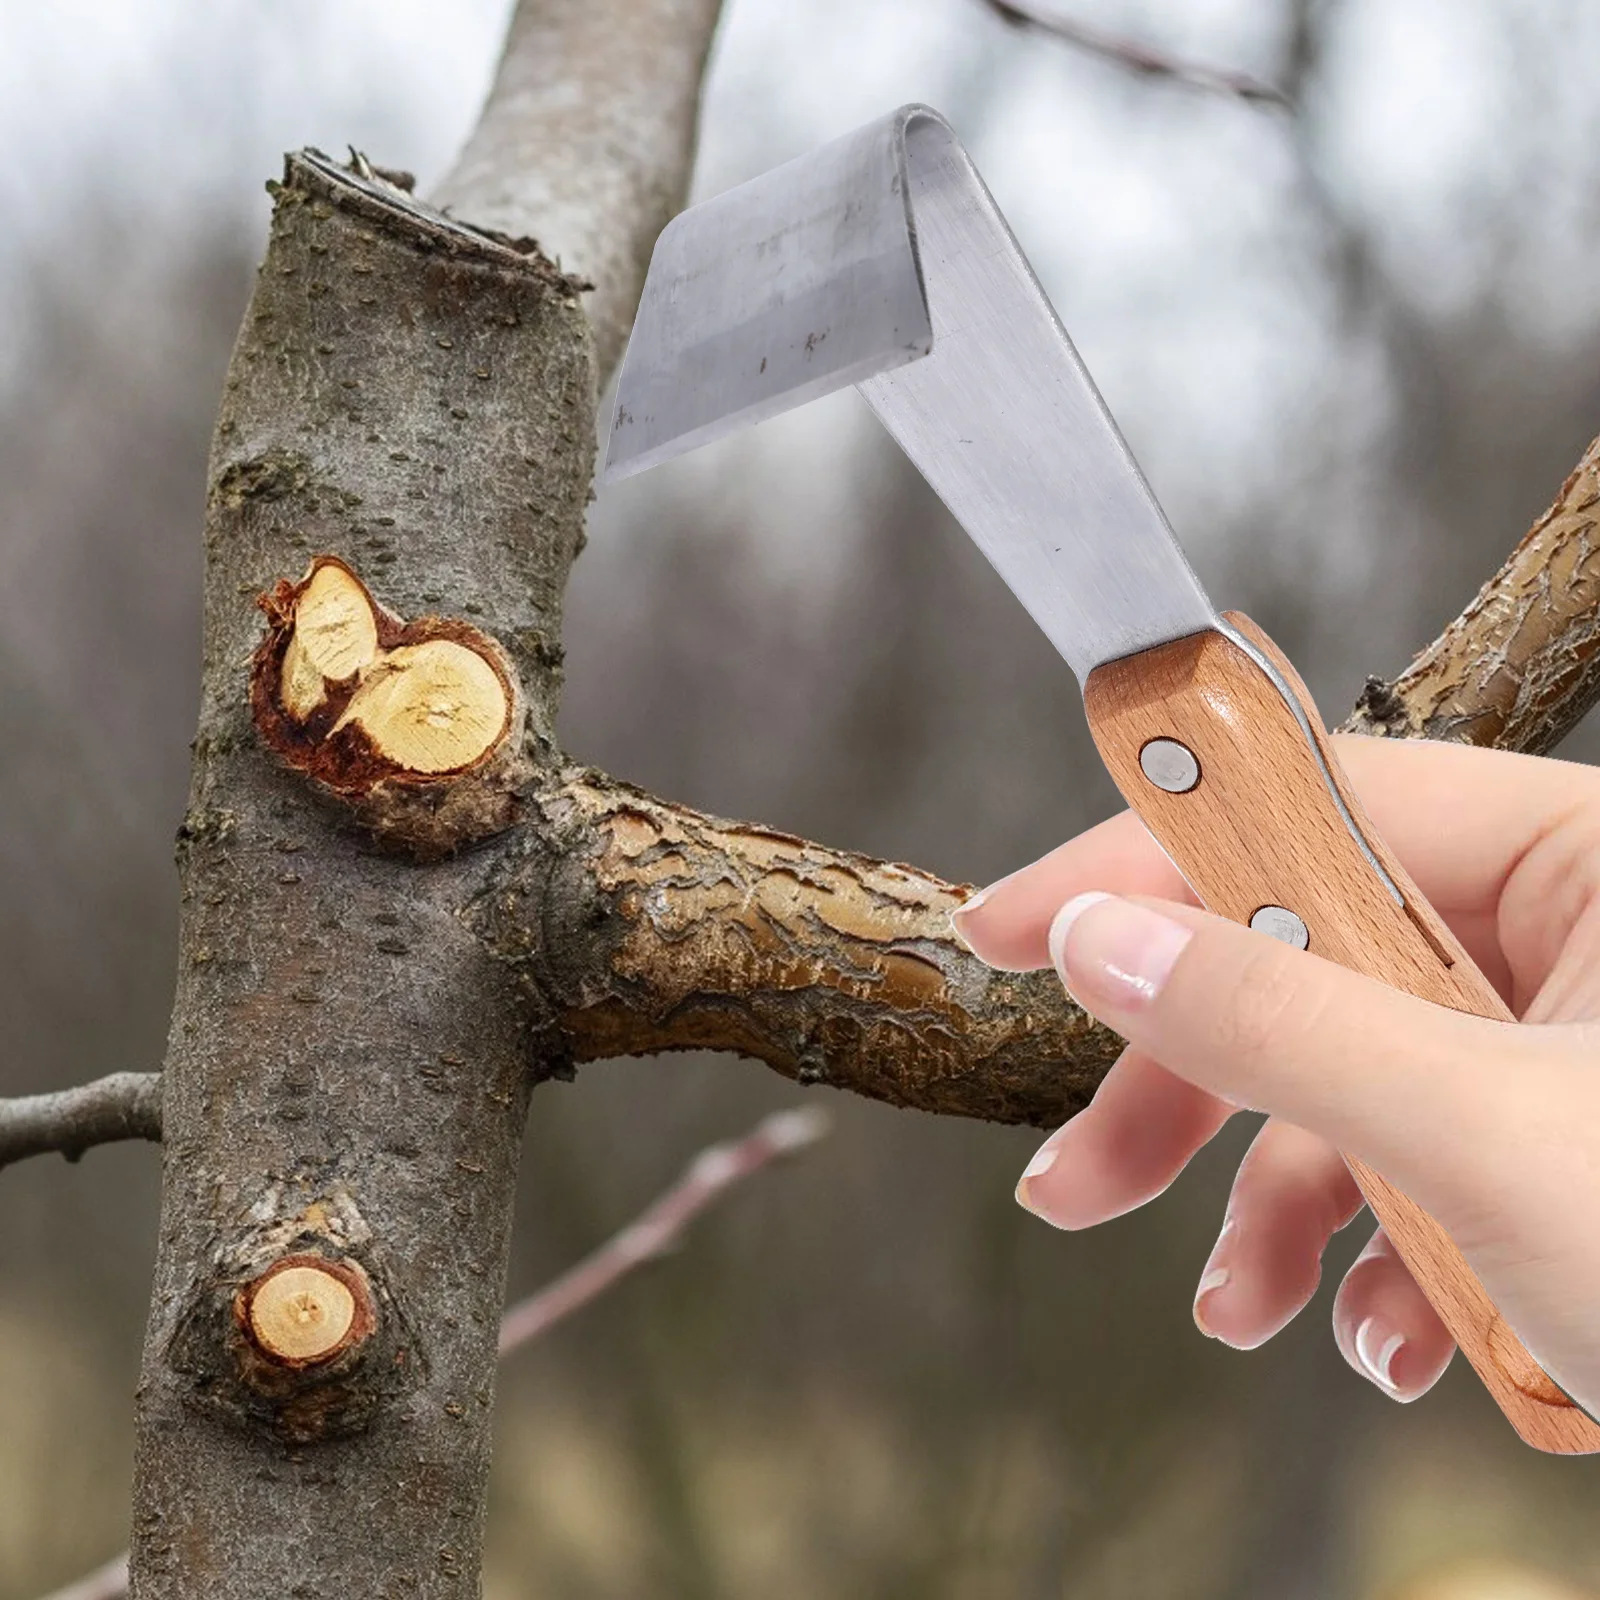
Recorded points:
(1417, 1090)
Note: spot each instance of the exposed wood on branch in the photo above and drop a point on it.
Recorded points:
(587, 141)
(125, 1105)
(416, 726)
(1135, 56)
(1520, 667)
(671, 930)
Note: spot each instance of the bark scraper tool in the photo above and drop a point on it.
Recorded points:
(882, 261)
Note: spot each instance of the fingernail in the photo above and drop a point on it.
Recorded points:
(966, 908)
(1044, 1158)
(971, 903)
(1212, 1279)
(1376, 1349)
(1122, 955)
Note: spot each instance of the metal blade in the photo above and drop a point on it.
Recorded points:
(1005, 423)
(800, 282)
(832, 270)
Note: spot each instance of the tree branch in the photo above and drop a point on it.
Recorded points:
(1520, 667)
(681, 931)
(587, 141)
(1137, 57)
(671, 930)
(125, 1105)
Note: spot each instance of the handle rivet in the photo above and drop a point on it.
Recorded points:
(1278, 922)
(1169, 765)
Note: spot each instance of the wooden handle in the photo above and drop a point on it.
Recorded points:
(1271, 824)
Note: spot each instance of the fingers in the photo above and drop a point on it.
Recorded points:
(1135, 1137)
(1419, 1091)
(1006, 925)
(1292, 1194)
(1384, 1326)
(1498, 806)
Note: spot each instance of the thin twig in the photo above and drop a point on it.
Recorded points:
(652, 1234)
(657, 1230)
(109, 1582)
(1137, 57)
(126, 1105)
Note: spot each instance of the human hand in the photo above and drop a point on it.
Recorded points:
(1493, 1127)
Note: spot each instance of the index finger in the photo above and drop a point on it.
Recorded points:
(1460, 818)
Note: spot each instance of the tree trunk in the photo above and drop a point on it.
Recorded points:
(348, 1067)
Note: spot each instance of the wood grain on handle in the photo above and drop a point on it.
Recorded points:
(1261, 828)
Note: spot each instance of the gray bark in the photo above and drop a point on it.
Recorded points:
(125, 1105)
(613, 86)
(348, 1069)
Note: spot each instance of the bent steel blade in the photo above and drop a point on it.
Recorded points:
(881, 260)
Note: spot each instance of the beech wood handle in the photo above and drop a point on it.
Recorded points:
(1262, 827)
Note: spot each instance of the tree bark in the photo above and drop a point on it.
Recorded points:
(348, 1068)
(125, 1105)
(1520, 667)
(614, 87)
(678, 931)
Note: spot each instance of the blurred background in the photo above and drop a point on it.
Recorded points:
(1357, 348)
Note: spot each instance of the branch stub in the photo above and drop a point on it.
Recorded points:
(414, 725)
(305, 1310)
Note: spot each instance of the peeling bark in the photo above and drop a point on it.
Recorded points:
(671, 930)
(1520, 667)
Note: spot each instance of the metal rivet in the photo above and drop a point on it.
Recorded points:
(1279, 923)
(1169, 765)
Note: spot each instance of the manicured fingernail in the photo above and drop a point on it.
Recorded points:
(970, 904)
(1122, 954)
(966, 908)
(1376, 1348)
(1212, 1279)
(1044, 1158)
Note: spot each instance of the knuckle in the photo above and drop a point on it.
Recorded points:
(1267, 1011)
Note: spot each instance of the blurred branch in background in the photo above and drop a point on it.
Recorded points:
(125, 1105)
(656, 1231)
(627, 141)
(1135, 56)
(109, 1582)
(660, 1228)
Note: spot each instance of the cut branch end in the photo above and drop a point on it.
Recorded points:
(305, 1310)
(416, 725)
